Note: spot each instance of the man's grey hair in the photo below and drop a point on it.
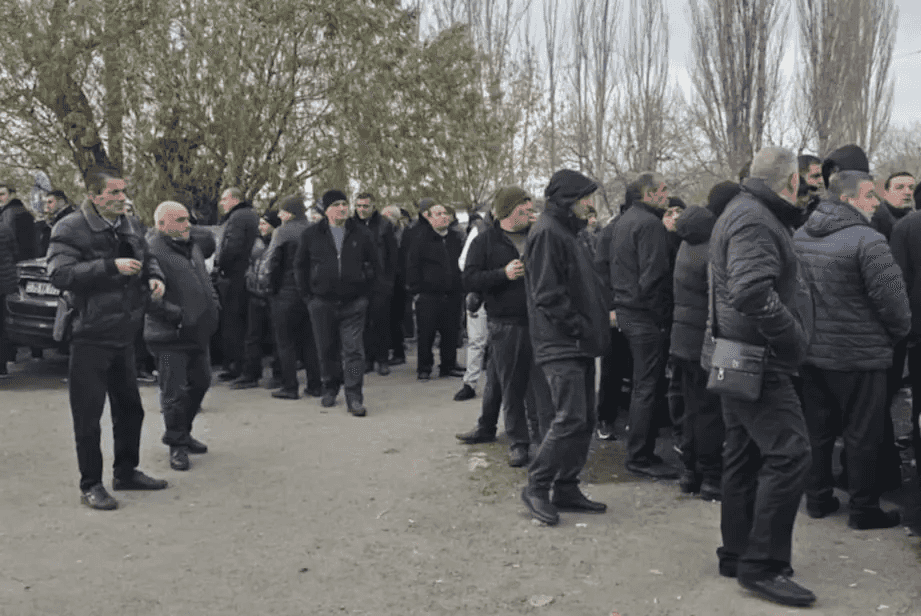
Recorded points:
(846, 184)
(234, 192)
(774, 165)
(165, 207)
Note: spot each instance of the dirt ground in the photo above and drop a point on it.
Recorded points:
(303, 510)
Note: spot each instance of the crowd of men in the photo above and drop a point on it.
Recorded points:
(801, 257)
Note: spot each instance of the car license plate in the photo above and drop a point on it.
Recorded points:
(41, 288)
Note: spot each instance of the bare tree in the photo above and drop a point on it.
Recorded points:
(847, 47)
(551, 20)
(737, 49)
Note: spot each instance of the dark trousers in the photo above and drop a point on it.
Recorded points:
(397, 316)
(894, 383)
(377, 328)
(94, 372)
(564, 450)
(294, 339)
(648, 344)
(852, 405)
(702, 425)
(616, 372)
(4, 346)
(234, 303)
(338, 328)
(438, 313)
(258, 328)
(765, 462)
(185, 377)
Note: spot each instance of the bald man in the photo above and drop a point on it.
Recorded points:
(178, 327)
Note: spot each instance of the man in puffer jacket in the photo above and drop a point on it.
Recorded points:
(179, 326)
(861, 312)
(569, 323)
(761, 299)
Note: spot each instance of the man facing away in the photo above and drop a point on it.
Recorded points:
(178, 327)
(100, 257)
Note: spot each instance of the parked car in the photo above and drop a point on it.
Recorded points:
(30, 313)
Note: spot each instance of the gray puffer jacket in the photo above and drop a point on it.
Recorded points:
(861, 307)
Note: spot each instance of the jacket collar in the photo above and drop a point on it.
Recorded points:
(67, 210)
(97, 223)
(239, 206)
(783, 210)
(657, 212)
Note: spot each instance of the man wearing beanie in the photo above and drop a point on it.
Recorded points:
(433, 273)
(569, 325)
(641, 277)
(494, 269)
(337, 270)
(290, 318)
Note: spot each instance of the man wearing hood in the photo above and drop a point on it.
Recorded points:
(702, 430)
(760, 299)
(641, 277)
(898, 200)
(19, 220)
(861, 312)
(569, 321)
(241, 227)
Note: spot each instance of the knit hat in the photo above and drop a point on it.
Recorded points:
(507, 199)
(566, 187)
(271, 217)
(293, 204)
(677, 202)
(847, 158)
(332, 196)
(720, 196)
(425, 204)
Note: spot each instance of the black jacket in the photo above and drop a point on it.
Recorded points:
(603, 250)
(241, 227)
(277, 270)
(321, 272)
(21, 222)
(255, 286)
(43, 230)
(386, 242)
(81, 259)
(886, 216)
(641, 273)
(906, 250)
(761, 297)
(187, 315)
(9, 275)
(861, 308)
(689, 321)
(568, 305)
(432, 262)
(484, 273)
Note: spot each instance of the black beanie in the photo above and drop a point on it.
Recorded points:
(425, 204)
(271, 217)
(720, 196)
(294, 205)
(846, 158)
(332, 196)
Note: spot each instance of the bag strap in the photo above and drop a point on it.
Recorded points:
(712, 295)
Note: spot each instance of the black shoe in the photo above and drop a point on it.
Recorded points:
(903, 442)
(729, 568)
(313, 392)
(575, 500)
(179, 458)
(476, 436)
(455, 372)
(540, 507)
(466, 393)
(329, 398)
(244, 382)
(820, 509)
(518, 456)
(397, 361)
(272, 383)
(424, 376)
(98, 498)
(653, 469)
(369, 367)
(285, 394)
(711, 490)
(874, 518)
(195, 446)
(689, 482)
(138, 481)
(779, 589)
(228, 375)
(605, 431)
(382, 368)
(357, 409)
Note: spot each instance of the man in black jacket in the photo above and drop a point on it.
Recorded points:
(761, 299)
(294, 338)
(101, 258)
(898, 200)
(57, 206)
(336, 269)
(861, 311)
(241, 227)
(641, 278)
(433, 274)
(179, 326)
(569, 321)
(377, 324)
(19, 220)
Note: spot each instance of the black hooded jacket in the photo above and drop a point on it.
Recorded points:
(689, 324)
(861, 308)
(761, 297)
(641, 271)
(568, 303)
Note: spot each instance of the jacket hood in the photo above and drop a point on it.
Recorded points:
(695, 225)
(832, 216)
(566, 187)
(14, 202)
(786, 212)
